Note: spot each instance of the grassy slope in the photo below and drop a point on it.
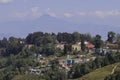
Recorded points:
(98, 74)
(27, 77)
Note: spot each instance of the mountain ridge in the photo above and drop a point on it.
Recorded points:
(50, 24)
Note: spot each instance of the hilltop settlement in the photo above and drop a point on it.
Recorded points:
(61, 56)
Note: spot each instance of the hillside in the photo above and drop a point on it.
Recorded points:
(26, 77)
(100, 73)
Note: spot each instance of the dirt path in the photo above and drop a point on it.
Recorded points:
(113, 70)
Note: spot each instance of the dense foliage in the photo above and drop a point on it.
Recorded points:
(80, 70)
(115, 76)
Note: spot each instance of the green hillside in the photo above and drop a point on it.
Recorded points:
(27, 77)
(99, 74)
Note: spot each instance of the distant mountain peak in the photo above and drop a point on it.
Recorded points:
(47, 23)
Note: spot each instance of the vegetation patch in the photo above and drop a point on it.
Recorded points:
(99, 74)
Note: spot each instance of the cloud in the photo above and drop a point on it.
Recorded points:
(35, 11)
(97, 13)
(52, 14)
(82, 14)
(32, 13)
(68, 15)
(21, 14)
(104, 14)
(6, 1)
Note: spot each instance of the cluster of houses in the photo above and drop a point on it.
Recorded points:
(40, 69)
(64, 64)
(89, 47)
(69, 61)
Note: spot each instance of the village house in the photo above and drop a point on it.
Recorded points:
(102, 51)
(41, 59)
(90, 48)
(112, 45)
(60, 46)
(34, 71)
(85, 60)
(78, 60)
(62, 65)
(76, 47)
(93, 58)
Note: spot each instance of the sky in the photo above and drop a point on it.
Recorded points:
(100, 12)
(78, 11)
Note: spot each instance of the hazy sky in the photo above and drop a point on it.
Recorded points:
(83, 11)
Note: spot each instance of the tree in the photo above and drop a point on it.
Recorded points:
(117, 37)
(48, 49)
(83, 42)
(85, 68)
(65, 37)
(67, 48)
(115, 76)
(3, 43)
(77, 72)
(76, 36)
(98, 42)
(83, 45)
(111, 36)
(87, 36)
(13, 47)
(40, 38)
